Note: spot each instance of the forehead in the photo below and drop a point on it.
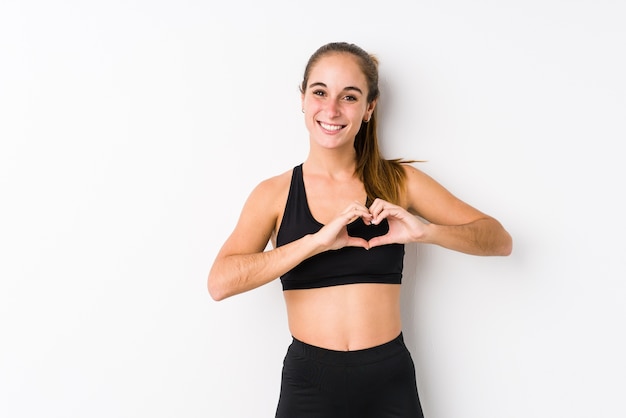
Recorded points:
(338, 69)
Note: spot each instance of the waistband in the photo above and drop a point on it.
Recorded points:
(367, 355)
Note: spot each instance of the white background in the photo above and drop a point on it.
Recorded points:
(132, 132)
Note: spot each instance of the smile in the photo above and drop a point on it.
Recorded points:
(331, 127)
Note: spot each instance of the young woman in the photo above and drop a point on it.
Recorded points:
(339, 222)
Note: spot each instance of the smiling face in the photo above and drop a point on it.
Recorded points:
(335, 101)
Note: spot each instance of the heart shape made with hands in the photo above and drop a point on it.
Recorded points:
(360, 229)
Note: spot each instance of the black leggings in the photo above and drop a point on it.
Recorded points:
(377, 382)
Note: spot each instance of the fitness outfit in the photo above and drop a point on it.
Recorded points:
(347, 265)
(377, 382)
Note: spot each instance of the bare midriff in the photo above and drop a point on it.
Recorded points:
(347, 317)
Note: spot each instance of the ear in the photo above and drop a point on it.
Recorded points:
(302, 101)
(370, 110)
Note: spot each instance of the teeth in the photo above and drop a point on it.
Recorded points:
(330, 127)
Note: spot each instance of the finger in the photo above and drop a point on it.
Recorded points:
(380, 214)
(356, 206)
(356, 211)
(357, 242)
(384, 240)
(378, 241)
(377, 208)
(353, 215)
(359, 205)
(388, 211)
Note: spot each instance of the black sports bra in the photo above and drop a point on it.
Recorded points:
(347, 265)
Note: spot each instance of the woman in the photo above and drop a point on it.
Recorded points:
(339, 223)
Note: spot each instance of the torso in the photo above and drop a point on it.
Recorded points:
(345, 317)
(348, 317)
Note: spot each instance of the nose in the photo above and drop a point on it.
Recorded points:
(333, 109)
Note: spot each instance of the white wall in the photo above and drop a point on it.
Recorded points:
(132, 132)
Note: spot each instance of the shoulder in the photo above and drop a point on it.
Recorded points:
(260, 214)
(275, 185)
(427, 198)
(271, 192)
(422, 191)
(411, 172)
(416, 178)
(415, 182)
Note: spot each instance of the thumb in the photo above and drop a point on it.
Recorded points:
(357, 242)
(378, 241)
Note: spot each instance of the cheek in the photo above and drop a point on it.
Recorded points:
(356, 114)
(309, 119)
(311, 106)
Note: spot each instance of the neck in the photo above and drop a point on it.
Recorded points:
(331, 162)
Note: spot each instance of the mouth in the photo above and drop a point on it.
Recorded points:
(331, 127)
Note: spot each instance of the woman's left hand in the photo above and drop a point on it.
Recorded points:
(404, 227)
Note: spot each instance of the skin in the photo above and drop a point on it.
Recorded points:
(356, 316)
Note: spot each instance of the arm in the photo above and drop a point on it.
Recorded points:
(450, 222)
(242, 263)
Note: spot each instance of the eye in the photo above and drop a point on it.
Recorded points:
(320, 93)
(350, 98)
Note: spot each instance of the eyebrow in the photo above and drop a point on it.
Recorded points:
(320, 84)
